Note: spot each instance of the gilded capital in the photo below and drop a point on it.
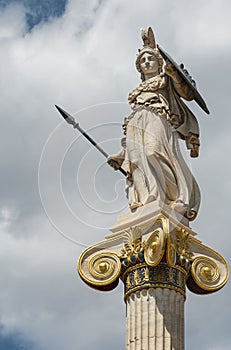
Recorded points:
(162, 254)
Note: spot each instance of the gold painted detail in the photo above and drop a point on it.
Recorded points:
(160, 276)
(151, 251)
(102, 269)
(183, 247)
(171, 251)
(206, 274)
(178, 249)
(132, 242)
(166, 259)
(133, 251)
(155, 247)
(209, 271)
(146, 274)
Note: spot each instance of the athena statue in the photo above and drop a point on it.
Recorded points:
(150, 154)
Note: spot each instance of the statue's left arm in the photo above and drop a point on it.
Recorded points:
(189, 127)
(180, 86)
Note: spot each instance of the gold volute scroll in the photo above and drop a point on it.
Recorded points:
(101, 270)
(134, 253)
(206, 274)
(155, 247)
(209, 270)
(101, 266)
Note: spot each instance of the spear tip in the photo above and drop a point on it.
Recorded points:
(69, 119)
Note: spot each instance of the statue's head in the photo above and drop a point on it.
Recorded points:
(149, 52)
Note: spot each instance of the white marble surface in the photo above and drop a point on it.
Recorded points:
(155, 320)
(147, 214)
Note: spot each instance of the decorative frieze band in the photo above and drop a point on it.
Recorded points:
(138, 256)
(161, 276)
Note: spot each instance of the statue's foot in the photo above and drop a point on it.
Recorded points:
(180, 207)
(134, 205)
(183, 209)
(191, 215)
(150, 199)
(194, 153)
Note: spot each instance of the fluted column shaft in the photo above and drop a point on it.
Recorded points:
(155, 298)
(155, 320)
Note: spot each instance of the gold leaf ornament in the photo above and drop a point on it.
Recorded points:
(206, 274)
(155, 247)
(104, 265)
(171, 251)
(102, 269)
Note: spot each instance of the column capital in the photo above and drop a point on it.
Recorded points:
(150, 241)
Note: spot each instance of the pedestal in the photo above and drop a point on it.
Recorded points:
(156, 255)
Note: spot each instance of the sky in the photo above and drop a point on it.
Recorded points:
(57, 194)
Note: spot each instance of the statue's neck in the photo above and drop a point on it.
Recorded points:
(149, 76)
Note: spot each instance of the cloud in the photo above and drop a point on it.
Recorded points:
(36, 12)
(82, 59)
(12, 22)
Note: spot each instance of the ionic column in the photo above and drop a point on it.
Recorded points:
(155, 307)
(155, 258)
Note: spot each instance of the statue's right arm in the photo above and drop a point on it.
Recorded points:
(116, 160)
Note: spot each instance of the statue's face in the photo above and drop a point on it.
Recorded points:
(148, 64)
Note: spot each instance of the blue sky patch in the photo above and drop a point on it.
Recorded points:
(38, 11)
(13, 342)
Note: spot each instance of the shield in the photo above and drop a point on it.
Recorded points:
(187, 79)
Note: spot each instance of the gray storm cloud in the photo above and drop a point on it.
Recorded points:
(81, 59)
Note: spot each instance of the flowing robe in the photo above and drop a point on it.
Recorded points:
(151, 154)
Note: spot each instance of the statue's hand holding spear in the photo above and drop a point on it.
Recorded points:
(71, 120)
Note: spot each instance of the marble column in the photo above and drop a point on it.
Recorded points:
(154, 299)
(156, 255)
(155, 320)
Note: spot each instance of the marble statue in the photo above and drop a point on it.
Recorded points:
(152, 249)
(150, 150)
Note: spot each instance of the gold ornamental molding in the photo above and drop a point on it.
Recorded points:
(142, 276)
(155, 247)
(100, 270)
(205, 273)
(135, 254)
(209, 271)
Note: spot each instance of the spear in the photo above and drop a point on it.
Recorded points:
(71, 120)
